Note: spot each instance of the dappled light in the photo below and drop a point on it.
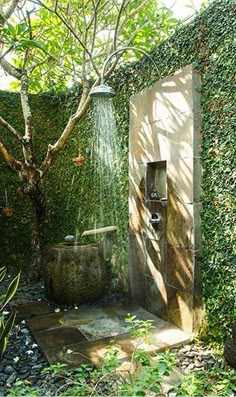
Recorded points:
(162, 156)
(117, 180)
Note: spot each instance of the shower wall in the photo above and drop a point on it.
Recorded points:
(164, 179)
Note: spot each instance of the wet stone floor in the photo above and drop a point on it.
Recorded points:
(82, 335)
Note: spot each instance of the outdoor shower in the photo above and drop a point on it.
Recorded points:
(104, 91)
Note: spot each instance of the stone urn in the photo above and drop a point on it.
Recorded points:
(74, 273)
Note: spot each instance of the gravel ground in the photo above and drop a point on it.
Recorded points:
(196, 357)
(23, 359)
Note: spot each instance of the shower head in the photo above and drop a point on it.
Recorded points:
(102, 91)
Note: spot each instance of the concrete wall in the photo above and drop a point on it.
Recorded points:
(165, 124)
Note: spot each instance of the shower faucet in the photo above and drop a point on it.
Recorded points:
(155, 219)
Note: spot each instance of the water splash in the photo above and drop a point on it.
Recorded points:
(107, 174)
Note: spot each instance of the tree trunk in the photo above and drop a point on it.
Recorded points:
(38, 205)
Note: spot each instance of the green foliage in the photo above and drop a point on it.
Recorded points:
(216, 382)
(6, 325)
(143, 375)
(146, 380)
(139, 328)
(208, 43)
(23, 388)
(63, 61)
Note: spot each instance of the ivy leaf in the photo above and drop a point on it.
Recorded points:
(140, 393)
(155, 389)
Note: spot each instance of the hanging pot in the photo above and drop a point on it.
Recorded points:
(8, 211)
(78, 160)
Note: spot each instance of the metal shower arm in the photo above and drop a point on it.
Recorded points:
(123, 50)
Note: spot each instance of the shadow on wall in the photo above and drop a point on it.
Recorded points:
(164, 272)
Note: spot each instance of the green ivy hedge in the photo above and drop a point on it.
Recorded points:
(208, 43)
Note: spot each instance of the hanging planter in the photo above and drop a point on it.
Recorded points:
(8, 211)
(79, 160)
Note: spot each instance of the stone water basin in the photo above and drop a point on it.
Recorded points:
(74, 273)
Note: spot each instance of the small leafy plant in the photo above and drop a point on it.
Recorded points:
(142, 375)
(215, 382)
(23, 388)
(6, 324)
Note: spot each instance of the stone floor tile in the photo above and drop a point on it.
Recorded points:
(170, 335)
(83, 335)
(58, 337)
(47, 321)
(27, 310)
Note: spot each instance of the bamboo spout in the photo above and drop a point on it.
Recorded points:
(92, 232)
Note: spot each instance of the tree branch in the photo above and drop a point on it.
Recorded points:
(14, 164)
(6, 15)
(10, 69)
(136, 31)
(11, 130)
(131, 15)
(72, 31)
(94, 22)
(117, 24)
(36, 64)
(53, 150)
(29, 129)
(6, 52)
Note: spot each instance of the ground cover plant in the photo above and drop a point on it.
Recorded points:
(141, 375)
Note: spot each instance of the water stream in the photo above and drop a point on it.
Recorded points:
(106, 151)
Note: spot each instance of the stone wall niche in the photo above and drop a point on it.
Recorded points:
(164, 175)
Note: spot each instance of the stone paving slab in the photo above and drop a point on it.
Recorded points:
(47, 322)
(82, 336)
(59, 337)
(35, 308)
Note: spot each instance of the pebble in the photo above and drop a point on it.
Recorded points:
(196, 358)
(185, 362)
(24, 375)
(191, 355)
(11, 378)
(191, 366)
(24, 331)
(185, 349)
(198, 364)
(9, 370)
(16, 363)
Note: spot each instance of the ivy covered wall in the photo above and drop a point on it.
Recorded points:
(208, 43)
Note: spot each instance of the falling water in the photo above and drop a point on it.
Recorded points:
(107, 181)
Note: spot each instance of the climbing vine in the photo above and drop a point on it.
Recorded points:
(208, 43)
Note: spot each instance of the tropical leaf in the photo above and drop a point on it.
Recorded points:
(3, 271)
(33, 44)
(1, 326)
(6, 326)
(3, 345)
(6, 329)
(10, 291)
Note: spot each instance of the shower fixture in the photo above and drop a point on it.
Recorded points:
(105, 91)
(102, 91)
